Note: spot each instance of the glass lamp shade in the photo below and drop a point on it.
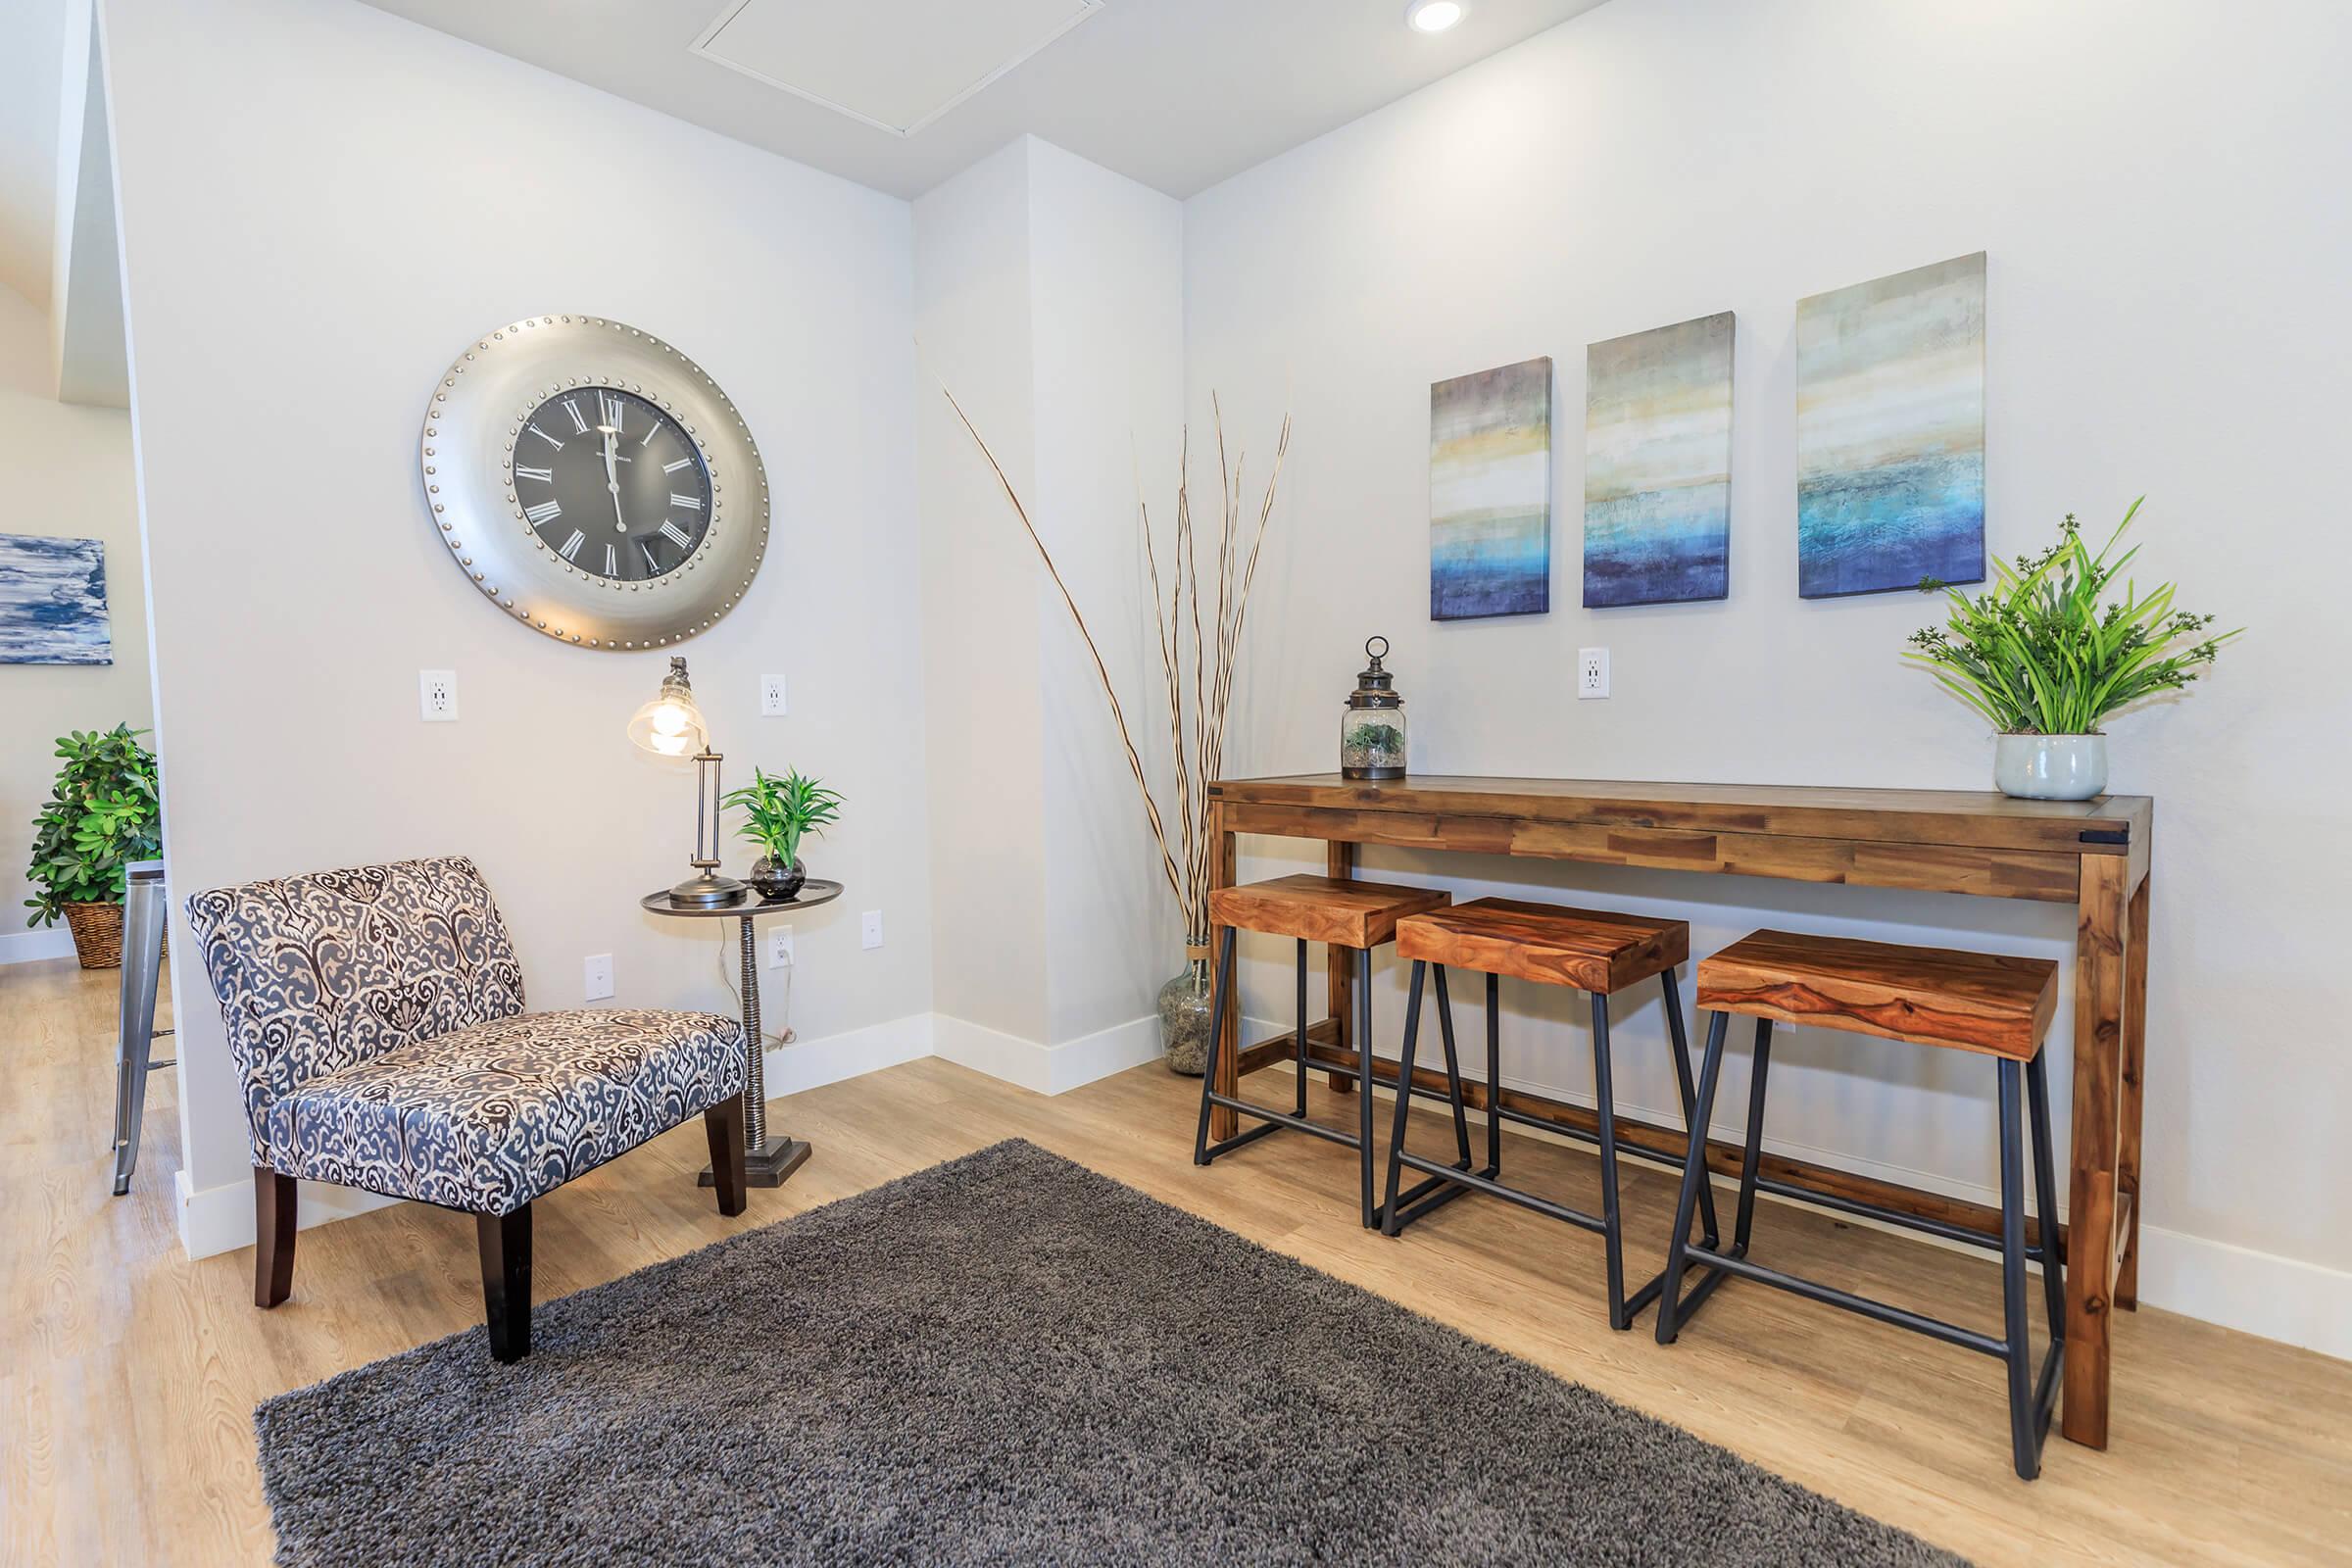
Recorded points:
(671, 725)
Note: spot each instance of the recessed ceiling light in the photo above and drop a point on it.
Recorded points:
(1433, 15)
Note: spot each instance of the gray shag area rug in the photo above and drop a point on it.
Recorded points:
(1007, 1359)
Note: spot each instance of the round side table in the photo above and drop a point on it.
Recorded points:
(767, 1162)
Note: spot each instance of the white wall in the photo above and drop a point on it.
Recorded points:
(2160, 188)
(1050, 301)
(984, 721)
(321, 204)
(1107, 273)
(68, 469)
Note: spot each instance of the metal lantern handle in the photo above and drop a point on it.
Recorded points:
(1376, 654)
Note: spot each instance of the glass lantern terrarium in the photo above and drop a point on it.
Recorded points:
(1372, 724)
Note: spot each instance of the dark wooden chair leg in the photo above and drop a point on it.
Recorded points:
(506, 1242)
(724, 1123)
(272, 1237)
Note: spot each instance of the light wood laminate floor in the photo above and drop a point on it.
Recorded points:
(130, 1373)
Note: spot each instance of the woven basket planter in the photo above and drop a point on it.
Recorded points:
(98, 935)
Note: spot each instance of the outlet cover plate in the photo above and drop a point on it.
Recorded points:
(1592, 673)
(870, 926)
(779, 946)
(596, 978)
(437, 695)
(771, 696)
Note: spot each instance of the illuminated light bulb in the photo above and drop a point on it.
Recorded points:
(1434, 16)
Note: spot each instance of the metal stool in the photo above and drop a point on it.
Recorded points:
(136, 1033)
(1339, 913)
(1594, 953)
(1994, 1005)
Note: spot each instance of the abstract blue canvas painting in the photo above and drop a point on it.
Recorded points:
(53, 602)
(1658, 466)
(1891, 431)
(1490, 493)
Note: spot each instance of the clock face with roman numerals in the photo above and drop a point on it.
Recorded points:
(612, 484)
(594, 483)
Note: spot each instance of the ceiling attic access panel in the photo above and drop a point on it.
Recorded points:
(894, 65)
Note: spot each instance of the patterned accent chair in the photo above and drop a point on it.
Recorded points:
(375, 1022)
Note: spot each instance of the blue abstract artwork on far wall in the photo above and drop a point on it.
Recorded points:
(1490, 493)
(1891, 431)
(1658, 466)
(53, 602)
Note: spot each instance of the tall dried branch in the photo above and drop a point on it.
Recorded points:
(1196, 750)
(1134, 762)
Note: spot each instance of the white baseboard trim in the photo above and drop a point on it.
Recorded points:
(1047, 1069)
(31, 947)
(851, 1054)
(220, 1219)
(2257, 1293)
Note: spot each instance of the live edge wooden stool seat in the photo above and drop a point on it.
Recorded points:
(1594, 952)
(1991, 1004)
(1339, 913)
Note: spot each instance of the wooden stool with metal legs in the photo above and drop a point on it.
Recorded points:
(1594, 952)
(1988, 1003)
(1339, 913)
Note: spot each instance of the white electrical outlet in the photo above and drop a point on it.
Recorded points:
(437, 695)
(1591, 672)
(779, 946)
(871, 927)
(599, 978)
(771, 696)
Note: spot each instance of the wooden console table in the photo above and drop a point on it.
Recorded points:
(2092, 854)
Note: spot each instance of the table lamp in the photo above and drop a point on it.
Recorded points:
(671, 725)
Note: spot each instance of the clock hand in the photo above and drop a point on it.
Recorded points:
(612, 482)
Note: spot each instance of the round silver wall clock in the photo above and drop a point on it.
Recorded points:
(591, 482)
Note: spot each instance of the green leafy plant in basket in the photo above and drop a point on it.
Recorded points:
(2045, 652)
(102, 814)
(777, 813)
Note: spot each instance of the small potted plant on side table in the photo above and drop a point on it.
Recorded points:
(2046, 663)
(102, 815)
(777, 813)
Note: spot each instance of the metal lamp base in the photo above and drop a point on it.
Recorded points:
(768, 1164)
(707, 893)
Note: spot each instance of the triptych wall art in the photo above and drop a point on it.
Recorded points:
(1490, 493)
(1658, 466)
(53, 602)
(1891, 431)
(1889, 449)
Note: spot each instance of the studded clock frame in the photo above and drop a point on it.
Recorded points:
(466, 452)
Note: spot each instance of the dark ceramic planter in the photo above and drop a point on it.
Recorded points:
(775, 882)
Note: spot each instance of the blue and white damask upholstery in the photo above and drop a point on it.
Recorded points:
(375, 1021)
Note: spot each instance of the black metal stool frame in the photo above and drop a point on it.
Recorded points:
(2031, 1399)
(1401, 1209)
(1274, 1120)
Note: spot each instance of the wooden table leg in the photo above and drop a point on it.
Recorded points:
(2135, 1050)
(1223, 1120)
(2102, 921)
(1339, 860)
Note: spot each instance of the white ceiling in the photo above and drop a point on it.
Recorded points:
(1178, 94)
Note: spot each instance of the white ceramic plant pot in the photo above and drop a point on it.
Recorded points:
(2051, 768)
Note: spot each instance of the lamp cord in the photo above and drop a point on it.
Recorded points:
(728, 945)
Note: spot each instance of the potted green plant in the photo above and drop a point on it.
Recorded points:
(102, 815)
(777, 813)
(2046, 663)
